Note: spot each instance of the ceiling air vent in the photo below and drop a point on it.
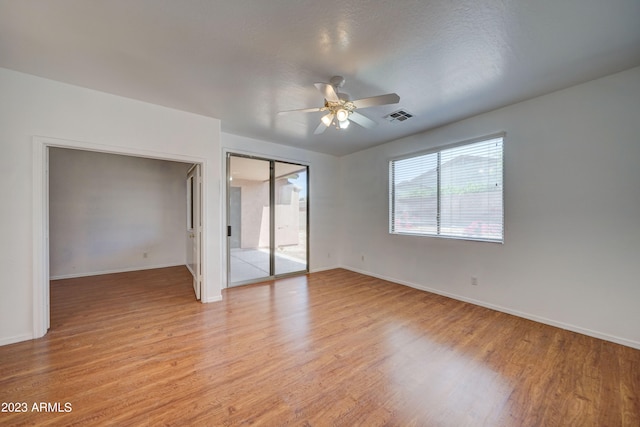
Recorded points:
(399, 116)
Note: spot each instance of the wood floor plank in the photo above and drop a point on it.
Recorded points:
(333, 348)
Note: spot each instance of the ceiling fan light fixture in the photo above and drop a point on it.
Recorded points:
(343, 124)
(342, 115)
(326, 120)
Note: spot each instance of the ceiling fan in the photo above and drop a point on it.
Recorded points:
(340, 110)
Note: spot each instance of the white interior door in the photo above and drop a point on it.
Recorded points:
(194, 227)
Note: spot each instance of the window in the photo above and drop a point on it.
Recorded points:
(455, 192)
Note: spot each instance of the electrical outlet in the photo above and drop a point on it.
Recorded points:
(474, 281)
(362, 258)
(145, 255)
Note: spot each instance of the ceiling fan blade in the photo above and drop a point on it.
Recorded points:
(328, 91)
(302, 110)
(361, 120)
(320, 129)
(390, 98)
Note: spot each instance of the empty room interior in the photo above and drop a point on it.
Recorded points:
(339, 213)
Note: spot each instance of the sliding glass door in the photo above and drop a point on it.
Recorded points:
(290, 218)
(249, 233)
(266, 219)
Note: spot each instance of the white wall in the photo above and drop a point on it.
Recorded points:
(571, 255)
(572, 199)
(324, 187)
(32, 106)
(110, 213)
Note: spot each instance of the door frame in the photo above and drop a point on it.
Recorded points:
(40, 200)
(226, 197)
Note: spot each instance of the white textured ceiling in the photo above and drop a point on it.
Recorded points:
(244, 60)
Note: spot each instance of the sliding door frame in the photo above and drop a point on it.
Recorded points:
(272, 217)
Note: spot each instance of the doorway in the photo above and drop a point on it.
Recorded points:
(41, 242)
(267, 221)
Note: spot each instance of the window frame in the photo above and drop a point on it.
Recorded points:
(438, 150)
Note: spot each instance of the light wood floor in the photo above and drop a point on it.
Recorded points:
(329, 349)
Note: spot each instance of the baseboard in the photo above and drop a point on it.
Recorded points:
(524, 315)
(317, 270)
(190, 269)
(15, 339)
(119, 270)
(212, 299)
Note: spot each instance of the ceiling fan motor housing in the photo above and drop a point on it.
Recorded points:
(337, 81)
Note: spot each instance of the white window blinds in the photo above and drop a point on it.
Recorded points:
(455, 192)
